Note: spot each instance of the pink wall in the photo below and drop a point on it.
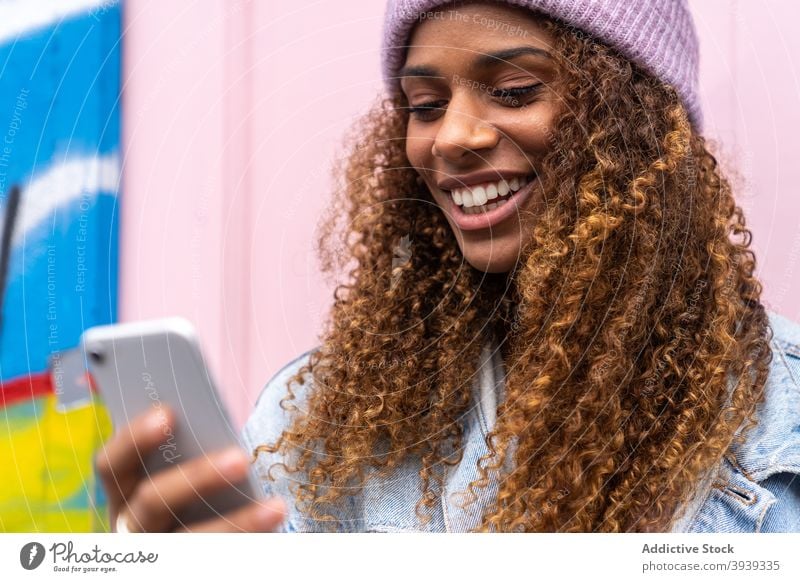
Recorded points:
(230, 105)
(751, 92)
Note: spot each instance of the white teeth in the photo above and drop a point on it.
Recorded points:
(480, 195)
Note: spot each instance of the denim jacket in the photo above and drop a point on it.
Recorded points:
(755, 488)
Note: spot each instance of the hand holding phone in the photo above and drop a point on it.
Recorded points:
(174, 462)
(152, 503)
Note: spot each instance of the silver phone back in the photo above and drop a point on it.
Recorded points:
(147, 365)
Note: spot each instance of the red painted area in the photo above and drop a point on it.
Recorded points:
(34, 386)
(25, 388)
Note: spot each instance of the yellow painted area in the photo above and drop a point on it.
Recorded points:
(47, 456)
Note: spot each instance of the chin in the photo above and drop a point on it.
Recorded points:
(492, 264)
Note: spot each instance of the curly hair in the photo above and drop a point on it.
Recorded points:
(635, 343)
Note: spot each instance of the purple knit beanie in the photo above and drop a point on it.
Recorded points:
(658, 35)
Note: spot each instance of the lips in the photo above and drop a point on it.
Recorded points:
(490, 218)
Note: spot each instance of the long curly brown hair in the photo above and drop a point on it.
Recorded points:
(634, 340)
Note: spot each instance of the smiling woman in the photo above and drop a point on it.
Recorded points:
(482, 109)
(587, 344)
(574, 333)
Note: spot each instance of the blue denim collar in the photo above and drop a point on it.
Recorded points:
(731, 496)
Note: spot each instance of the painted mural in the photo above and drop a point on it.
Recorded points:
(59, 178)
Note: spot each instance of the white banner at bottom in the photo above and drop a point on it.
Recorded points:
(399, 556)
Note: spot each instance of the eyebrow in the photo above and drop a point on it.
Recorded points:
(482, 61)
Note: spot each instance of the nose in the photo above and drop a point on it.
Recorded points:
(463, 129)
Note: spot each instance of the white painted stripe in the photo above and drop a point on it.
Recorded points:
(62, 183)
(19, 17)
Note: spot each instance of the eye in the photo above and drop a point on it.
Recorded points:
(427, 111)
(515, 96)
(511, 97)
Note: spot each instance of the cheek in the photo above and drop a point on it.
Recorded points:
(533, 132)
(418, 147)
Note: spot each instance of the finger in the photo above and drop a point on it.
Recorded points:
(156, 502)
(263, 516)
(119, 463)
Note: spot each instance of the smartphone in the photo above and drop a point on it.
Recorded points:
(146, 365)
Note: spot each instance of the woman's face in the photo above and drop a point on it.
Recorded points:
(478, 81)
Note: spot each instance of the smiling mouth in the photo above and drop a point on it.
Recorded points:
(476, 199)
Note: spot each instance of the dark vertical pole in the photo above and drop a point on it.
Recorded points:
(9, 218)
